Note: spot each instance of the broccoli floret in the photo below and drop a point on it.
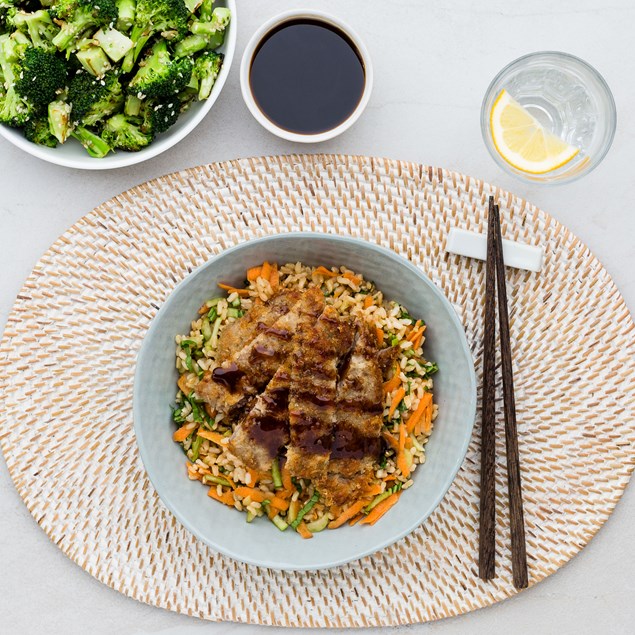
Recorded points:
(159, 116)
(93, 59)
(41, 76)
(216, 23)
(94, 99)
(15, 111)
(126, 10)
(37, 131)
(59, 117)
(15, 46)
(160, 76)
(167, 17)
(206, 68)
(94, 144)
(125, 133)
(114, 43)
(190, 45)
(39, 26)
(80, 15)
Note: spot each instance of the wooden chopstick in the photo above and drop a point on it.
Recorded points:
(487, 517)
(517, 525)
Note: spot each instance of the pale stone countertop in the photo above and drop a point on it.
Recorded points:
(433, 62)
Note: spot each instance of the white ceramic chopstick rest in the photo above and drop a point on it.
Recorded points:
(474, 245)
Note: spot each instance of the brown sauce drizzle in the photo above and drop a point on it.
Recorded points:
(283, 334)
(228, 376)
(271, 432)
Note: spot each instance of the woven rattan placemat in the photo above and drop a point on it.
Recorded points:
(68, 356)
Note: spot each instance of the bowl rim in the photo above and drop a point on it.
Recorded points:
(355, 554)
(123, 159)
(245, 66)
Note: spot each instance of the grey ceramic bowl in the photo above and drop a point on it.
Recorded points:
(260, 542)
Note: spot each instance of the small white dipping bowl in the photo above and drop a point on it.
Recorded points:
(72, 155)
(259, 36)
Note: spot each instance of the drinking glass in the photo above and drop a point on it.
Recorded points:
(569, 98)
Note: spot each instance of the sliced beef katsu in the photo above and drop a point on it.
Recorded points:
(251, 367)
(317, 355)
(261, 315)
(258, 437)
(358, 420)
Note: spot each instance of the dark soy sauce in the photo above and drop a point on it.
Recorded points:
(307, 76)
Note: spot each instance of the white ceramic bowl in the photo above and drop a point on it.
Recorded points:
(245, 67)
(260, 542)
(72, 155)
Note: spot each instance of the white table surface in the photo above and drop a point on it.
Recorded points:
(433, 62)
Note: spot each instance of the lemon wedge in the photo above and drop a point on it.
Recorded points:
(522, 141)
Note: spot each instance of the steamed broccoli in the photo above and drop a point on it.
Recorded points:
(167, 17)
(59, 114)
(94, 100)
(39, 26)
(15, 46)
(160, 76)
(206, 68)
(125, 133)
(80, 15)
(37, 131)
(41, 75)
(15, 111)
(158, 117)
(212, 26)
(94, 144)
(126, 12)
(113, 74)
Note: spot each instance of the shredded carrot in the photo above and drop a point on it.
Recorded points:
(415, 417)
(353, 510)
(417, 342)
(279, 503)
(403, 462)
(392, 383)
(390, 477)
(413, 333)
(287, 483)
(230, 289)
(373, 490)
(215, 437)
(402, 436)
(182, 433)
(396, 400)
(323, 271)
(253, 274)
(255, 476)
(304, 532)
(274, 277)
(227, 498)
(427, 423)
(229, 480)
(368, 301)
(355, 520)
(391, 441)
(259, 496)
(272, 512)
(378, 511)
(352, 277)
(182, 384)
(266, 270)
(380, 336)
